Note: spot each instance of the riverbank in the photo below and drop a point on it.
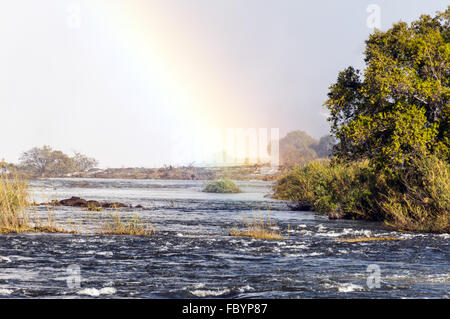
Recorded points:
(238, 172)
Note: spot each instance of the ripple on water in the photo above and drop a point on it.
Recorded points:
(190, 246)
(200, 290)
(5, 292)
(349, 287)
(209, 293)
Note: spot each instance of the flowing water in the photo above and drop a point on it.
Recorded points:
(191, 254)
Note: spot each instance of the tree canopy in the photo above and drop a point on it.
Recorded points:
(45, 161)
(297, 147)
(398, 107)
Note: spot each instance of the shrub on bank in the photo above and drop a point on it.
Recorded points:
(222, 186)
(338, 189)
(414, 198)
(422, 199)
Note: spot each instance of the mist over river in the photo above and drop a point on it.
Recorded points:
(191, 254)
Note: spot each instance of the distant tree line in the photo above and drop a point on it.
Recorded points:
(47, 162)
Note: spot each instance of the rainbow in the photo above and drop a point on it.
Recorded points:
(167, 56)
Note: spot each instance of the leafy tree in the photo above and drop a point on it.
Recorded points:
(37, 160)
(399, 107)
(296, 148)
(60, 164)
(84, 163)
(45, 161)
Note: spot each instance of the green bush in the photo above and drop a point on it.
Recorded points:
(342, 189)
(414, 198)
(421, 201)
(222, 186)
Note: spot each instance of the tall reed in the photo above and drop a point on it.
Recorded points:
(15, 216)
(13, 204)
(258, 229)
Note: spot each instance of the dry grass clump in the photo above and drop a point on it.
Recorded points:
(49, 225)
(258, 229)
(133, 226)
(357, 240)
(13, 204)
(93, 208)
(14, 216)
(36, 229)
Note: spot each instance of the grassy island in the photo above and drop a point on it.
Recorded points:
(222, 186)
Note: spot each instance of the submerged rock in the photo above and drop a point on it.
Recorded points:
(80, 202)
(344, 215)
(74, 202)
(300, 206)
(114, 205)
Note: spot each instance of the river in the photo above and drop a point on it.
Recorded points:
(191, 254)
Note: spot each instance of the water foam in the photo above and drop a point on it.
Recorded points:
(206, 293)
(4, 292)
(5, 259)
(349, 287)
(97, 292)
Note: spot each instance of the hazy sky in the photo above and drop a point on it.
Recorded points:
(120, 80)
